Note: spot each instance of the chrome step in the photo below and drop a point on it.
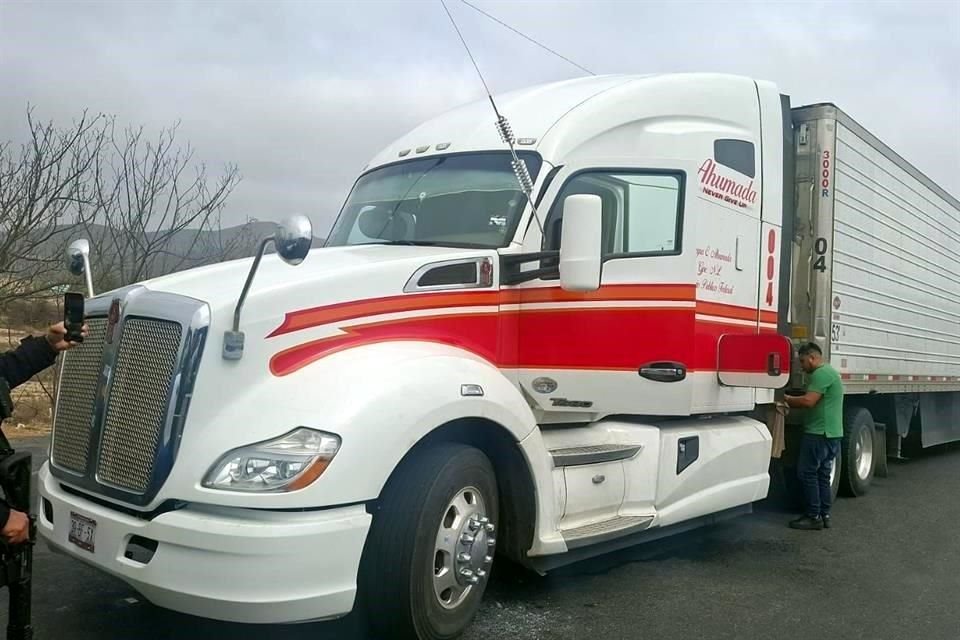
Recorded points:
(593, 454)
(607, 530)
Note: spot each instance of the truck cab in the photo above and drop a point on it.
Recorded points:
(463, 370)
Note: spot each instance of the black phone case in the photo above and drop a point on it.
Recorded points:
(73, 328)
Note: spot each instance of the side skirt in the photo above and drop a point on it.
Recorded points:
(543, 564)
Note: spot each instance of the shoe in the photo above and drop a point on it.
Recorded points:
(826, 521)
(806, 523)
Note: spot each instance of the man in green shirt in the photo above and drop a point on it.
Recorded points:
(822, 432)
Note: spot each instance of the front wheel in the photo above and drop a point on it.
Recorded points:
(428, 556)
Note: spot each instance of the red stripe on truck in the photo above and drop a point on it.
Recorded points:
(561, 338)
(354, 309)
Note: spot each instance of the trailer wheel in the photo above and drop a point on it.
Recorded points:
(858, 452)
(429, 552)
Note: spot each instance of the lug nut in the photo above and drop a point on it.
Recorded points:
(464, 557)
(484, 520)
(491, 527)
(491, 542)
(474, 524)
(466, 573)
(481, 573)
(467, 539)
(488, 560)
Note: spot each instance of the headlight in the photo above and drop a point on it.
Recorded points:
(287, 463)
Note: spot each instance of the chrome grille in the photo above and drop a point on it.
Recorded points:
(139, 397)
(77, 395)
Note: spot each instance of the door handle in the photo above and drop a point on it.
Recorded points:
(773, 364)
(664, 371)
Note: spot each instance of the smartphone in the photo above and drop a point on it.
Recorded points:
(73, 316)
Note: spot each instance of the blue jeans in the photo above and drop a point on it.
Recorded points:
(817, 454)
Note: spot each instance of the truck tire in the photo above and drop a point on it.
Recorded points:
(858, 452)
(428, 556)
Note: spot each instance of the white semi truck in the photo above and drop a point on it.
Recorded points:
(464, 371)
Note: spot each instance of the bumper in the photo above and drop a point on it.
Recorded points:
(230, 564)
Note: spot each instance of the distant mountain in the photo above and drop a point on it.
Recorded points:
(116, 261)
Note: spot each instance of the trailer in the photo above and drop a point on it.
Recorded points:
(873, 280)
(544, 345)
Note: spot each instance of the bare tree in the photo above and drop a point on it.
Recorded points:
(156, 210)
(43, 191)
(147, 207)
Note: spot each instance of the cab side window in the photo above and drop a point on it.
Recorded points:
(739, 155)
(642, 211)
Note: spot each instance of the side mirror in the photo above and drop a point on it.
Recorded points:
(581, 243)
(78, 255)
(293, 239)
(78, 262)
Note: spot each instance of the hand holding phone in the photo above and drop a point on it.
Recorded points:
(73, 316)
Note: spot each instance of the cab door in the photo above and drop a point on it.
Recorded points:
(627, 347)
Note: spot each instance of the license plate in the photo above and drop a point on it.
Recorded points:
(83, 531)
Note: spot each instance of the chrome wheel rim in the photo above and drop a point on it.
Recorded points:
(863, 453)
(464, 548)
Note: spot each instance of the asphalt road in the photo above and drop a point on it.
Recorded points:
(889, 569)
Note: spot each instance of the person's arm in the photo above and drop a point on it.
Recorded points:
(807, 401)
(820, 381)
(34, 355)
(30, 358)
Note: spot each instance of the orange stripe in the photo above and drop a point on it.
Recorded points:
(726, 311)
(734, 311)
(727, 323)
(306, 318)
(317, 316)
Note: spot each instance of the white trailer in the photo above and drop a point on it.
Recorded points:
(545, 368)
(875, 265)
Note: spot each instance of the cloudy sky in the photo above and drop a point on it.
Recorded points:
(301, 94)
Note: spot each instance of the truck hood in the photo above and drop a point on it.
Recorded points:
(326, 275)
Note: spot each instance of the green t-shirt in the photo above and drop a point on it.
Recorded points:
(826, 417)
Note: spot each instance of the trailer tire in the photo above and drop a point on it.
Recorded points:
(858, 452)
(411, 582)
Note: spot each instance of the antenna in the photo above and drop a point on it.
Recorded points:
(527, 38)
(503, 128)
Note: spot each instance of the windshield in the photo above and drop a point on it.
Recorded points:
(464, 200)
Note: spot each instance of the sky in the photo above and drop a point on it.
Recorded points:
(300, 95)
